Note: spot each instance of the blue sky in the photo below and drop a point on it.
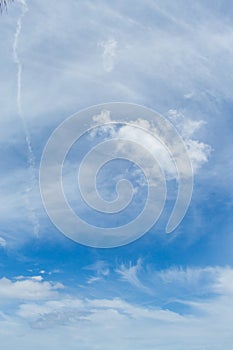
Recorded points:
(161, 291)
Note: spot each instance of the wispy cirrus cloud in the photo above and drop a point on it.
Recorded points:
(100, 270)
(130, 274)
(2, 242)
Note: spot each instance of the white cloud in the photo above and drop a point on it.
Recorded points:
(109, 52)
(101, 270)
(144, 133)
(130, 274)
(28, 289)
(116, 323)
(100, 267)
(224, 281)
(33, 278)
(199, 152)
(189, 95)
(93, 279)
(184, 276)
(187, 127)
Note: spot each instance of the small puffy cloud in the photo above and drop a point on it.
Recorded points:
(109, 52)
(198, 151)
(29, 289)
(189, 95)
(103, 117)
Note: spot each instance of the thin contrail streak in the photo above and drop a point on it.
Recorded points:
(31, 157)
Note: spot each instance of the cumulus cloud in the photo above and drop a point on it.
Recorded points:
(143, 132)
(29, 289)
